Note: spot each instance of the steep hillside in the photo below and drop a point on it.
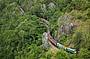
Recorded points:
(23, 22)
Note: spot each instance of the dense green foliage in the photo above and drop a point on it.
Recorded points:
(21, 28)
